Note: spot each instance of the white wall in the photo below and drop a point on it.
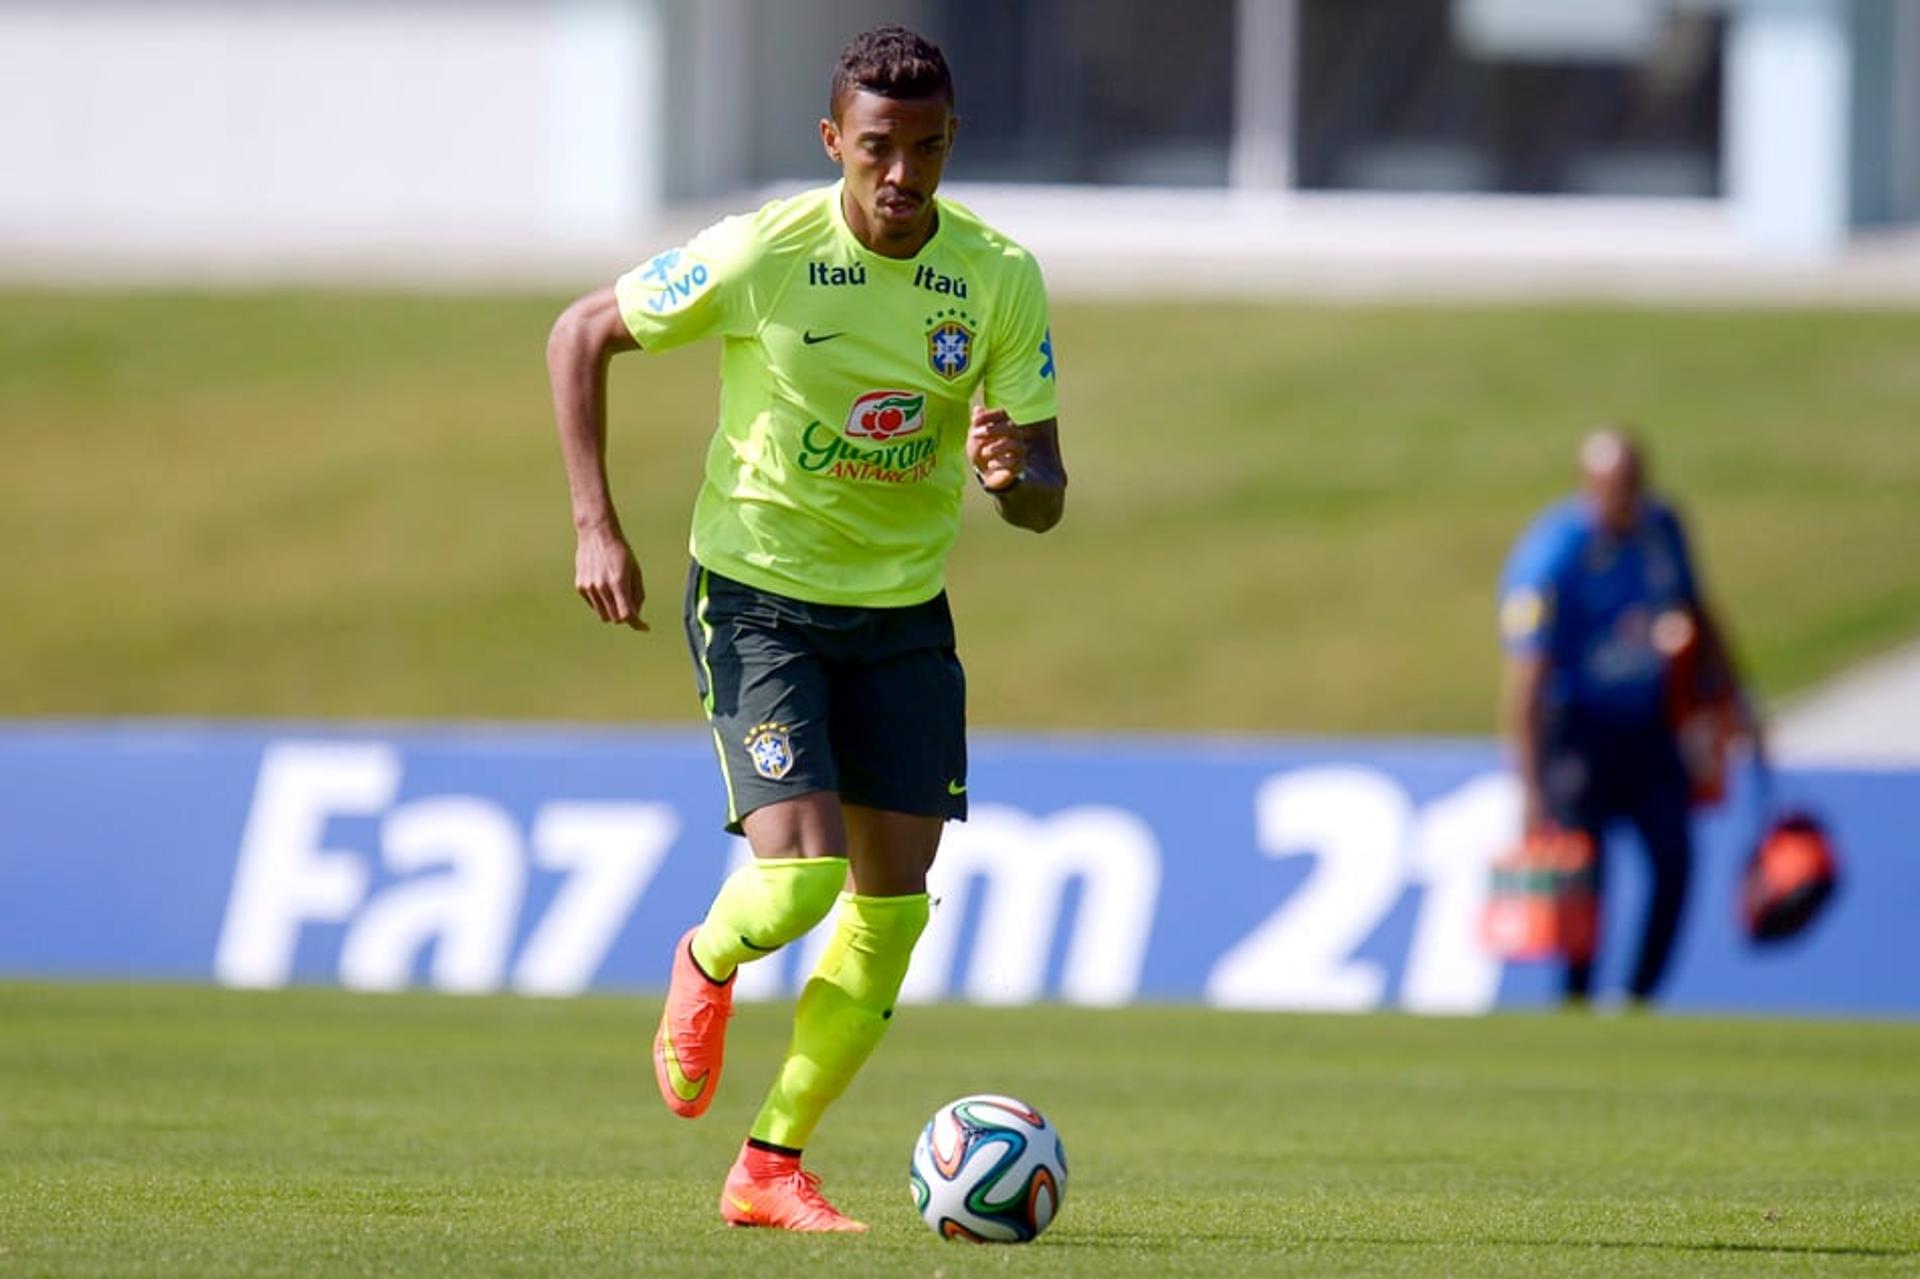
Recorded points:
(1788, 90)
(277, 126)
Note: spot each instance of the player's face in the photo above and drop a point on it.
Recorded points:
(891, 152)
(1616, 495)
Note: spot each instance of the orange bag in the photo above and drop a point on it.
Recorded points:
(1788, 879)
(1541, 904)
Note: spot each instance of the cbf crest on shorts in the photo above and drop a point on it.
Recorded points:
(950, 343)
(771, 750)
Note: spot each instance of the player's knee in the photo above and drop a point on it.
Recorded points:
(800, 892)
(892, 924)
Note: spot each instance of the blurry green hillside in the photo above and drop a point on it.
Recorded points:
(1282, 517)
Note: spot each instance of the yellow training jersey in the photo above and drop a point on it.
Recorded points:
(837, 469)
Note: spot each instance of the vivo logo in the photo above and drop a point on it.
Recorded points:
(679, 289)
(671, 286)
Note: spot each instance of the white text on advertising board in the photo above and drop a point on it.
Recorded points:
(1066, 905)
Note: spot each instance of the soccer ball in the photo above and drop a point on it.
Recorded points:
(988, 1169)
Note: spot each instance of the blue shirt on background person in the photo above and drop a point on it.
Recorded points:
(1587, 599)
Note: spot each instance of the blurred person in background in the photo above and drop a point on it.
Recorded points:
(1610, 649)
(857, 323)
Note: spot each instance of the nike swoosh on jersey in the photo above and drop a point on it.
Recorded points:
(956, 788)
(683, 1088)
(814, 339)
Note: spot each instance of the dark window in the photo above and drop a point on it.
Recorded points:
(1108, 91)
(1483, 95)
(1070, 91)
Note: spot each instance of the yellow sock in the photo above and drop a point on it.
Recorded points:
(763, 906)
(842, 1013)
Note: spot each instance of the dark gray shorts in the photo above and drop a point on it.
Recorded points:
(869, 703)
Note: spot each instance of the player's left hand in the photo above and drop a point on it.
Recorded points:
(996, 449)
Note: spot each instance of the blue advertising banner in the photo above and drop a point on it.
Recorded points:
(1332, 875)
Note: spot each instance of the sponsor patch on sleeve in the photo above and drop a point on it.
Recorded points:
(672, 280)
(1522, 613)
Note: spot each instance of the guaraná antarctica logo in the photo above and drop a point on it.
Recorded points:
(884, 415)
(885, 441)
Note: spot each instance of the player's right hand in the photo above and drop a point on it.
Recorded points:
(607, 576)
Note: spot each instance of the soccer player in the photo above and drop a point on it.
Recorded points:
(858, 323)
(1589, 599)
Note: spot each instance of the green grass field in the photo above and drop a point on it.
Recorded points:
(1283, 517)
(173, 1131)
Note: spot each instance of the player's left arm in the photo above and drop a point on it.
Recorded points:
(1013, 441)
(1020, 466)
(1716, 647)
(1717, 650)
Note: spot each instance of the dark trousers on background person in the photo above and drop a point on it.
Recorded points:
(1600, 772)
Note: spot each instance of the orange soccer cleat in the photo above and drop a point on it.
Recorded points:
(767, 1188)
(692, 1038)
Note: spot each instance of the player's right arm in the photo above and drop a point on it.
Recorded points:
(584, 339)
(1528, 616)
(703, 289)
(1523, 698)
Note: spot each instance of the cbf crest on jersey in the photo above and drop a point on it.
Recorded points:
(950, 342)
(771, 750)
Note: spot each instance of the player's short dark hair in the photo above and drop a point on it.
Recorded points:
(892, 62)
